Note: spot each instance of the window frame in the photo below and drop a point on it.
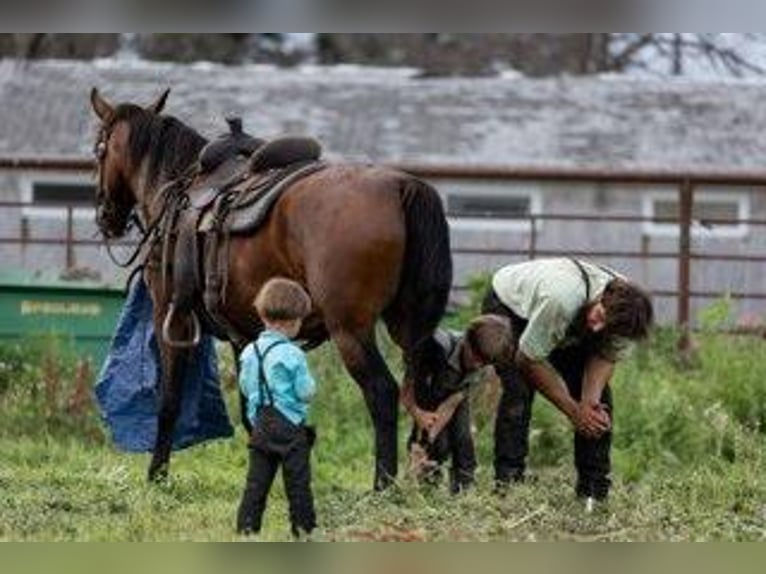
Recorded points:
(717, 195)
(35, 211)
(496, 189)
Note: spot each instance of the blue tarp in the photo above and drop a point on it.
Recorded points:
(127, 387)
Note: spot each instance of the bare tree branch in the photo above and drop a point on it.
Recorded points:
(678, 48)
(621, 60)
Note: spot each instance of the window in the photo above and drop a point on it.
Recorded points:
(488, 206)
(708, 206)
(482, 205)
(51, 197)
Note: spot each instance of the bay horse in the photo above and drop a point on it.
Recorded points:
(366, 242)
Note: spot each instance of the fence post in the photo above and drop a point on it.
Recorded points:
(532, 235)
(69, 238)
(685, 204)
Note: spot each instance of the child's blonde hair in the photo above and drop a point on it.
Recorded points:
(281, 299)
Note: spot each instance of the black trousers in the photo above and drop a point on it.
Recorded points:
(453, 441)
(514, 412)
(290, 448)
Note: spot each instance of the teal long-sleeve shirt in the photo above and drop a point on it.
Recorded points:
(287, 375)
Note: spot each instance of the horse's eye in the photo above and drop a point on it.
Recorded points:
(100, 150)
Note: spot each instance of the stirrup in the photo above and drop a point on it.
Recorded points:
(197, 330)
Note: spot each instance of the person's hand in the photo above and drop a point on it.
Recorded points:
(443, 414)
(425, 420)
(592, 419)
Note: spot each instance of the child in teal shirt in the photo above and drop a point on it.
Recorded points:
(278, 386)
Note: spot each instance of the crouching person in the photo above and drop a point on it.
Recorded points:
(278, 386)
(575, 320)
(439, 402)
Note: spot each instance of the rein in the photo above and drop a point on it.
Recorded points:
(149, 234)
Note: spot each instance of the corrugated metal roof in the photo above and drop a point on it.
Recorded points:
(388, 116)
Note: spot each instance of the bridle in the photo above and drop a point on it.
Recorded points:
(107, 207)
(104, 205)
(168, 199)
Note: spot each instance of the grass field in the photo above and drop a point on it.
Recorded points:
(688, 457)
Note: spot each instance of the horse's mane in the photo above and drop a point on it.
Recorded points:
(170, 145)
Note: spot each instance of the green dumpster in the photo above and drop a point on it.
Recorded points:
(84, 311)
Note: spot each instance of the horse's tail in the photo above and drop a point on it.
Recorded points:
(426, 276)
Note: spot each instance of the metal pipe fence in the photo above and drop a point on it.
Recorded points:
(686, 182)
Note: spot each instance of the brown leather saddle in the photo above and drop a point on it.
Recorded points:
(236, 185)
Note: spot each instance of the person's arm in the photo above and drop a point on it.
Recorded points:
(444, 413)
(423, 419)
(305, 385)
(598, 373)
(549, 383)
(545, 330)
(587, 419)
(246, 374)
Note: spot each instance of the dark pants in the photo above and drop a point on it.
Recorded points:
(290, 448)
(455, 441)
(514, 411)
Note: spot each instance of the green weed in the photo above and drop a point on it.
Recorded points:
(688, 460)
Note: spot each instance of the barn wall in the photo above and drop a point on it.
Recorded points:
(590, 236)
(549, 198)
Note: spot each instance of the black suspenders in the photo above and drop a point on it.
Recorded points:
(585, 277)
(263, 387)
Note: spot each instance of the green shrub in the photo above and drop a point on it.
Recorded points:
(46, 390)
(717, 315)
(667, 415)
(12, 366)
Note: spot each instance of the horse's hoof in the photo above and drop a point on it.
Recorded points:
(383, 482)
(158, 475)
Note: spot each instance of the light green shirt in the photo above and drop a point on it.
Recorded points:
(549, 294)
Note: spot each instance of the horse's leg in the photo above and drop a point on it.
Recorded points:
(364, 362)
(173, 366)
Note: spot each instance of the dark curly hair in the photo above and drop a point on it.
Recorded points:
(629, 312)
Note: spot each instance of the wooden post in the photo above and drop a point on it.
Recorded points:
(685, 204)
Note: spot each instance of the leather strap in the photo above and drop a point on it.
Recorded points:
(263, 385)
(585, 277)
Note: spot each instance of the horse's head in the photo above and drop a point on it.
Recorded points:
(119, 160)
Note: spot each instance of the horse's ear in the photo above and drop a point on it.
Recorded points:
(159, 103)
(103, 109)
